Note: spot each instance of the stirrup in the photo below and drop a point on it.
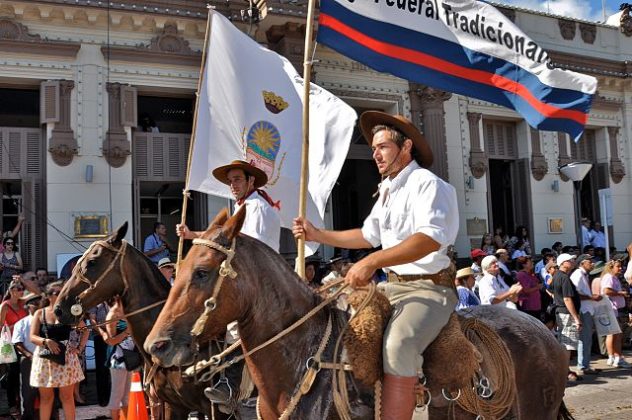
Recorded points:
(217, 394)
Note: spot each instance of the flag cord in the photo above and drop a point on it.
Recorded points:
(185, 192)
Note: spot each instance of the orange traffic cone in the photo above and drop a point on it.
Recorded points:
(136, 409)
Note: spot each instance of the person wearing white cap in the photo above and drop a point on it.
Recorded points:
(567, 303)
(586, 311)
(167, 268)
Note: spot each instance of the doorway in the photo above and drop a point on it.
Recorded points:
(500, 196)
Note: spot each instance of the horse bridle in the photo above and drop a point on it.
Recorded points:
(77, 308)
(225, 270)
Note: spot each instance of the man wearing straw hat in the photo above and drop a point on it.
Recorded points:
(262, 218)
(262, 222)
(415, 219)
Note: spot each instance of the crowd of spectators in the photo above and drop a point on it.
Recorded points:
(565, 287)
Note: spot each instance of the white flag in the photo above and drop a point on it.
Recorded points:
(250, 108)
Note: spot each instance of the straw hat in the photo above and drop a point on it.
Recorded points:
(464, 272)
(221, 173)
(370, 119)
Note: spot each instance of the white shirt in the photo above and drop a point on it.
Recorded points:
(490, 287)
(415, 201)
(598, 239)
(22, 333)
(262, 221)
(580, 280)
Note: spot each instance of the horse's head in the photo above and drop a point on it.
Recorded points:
(204, 296)
(97, 277)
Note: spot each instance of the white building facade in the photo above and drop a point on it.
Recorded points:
(96, 108)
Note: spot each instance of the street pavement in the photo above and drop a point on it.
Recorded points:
(603, 396)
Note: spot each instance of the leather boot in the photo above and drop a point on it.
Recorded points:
(398, 397)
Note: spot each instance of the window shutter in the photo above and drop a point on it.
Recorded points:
(141, 168)
(129, 116)
(158, 160)
(33, 151)
(15, 156)
(49, 102)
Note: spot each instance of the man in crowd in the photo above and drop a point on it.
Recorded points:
(335, 264)
(22, 341)
(167, 268)
(567, 303)
(415, 219)
(539, 266)
(42, 278)
(503, 257)
(598, 238)
(586, 232)
(492, 288)
(581, 282)
(156, 246)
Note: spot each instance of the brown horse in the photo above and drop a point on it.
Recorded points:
(266, 296)
(112, 268)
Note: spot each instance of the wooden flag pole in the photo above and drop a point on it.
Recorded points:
(185, 193)
(307, 75)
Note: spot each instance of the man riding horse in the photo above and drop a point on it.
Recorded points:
(415, 219)
(262, 222)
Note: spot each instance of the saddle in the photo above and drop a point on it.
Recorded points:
(450, 362)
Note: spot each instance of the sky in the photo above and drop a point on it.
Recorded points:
(581, 9)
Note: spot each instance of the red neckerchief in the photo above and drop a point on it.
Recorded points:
(265, 196)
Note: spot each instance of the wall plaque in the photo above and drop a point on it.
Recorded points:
(476, 227)
(555, 225)
(91, 226)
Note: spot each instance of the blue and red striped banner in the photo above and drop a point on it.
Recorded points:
(462, 46)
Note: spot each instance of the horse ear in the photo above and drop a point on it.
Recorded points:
(233, 226)
(220, 219)
(119, 234)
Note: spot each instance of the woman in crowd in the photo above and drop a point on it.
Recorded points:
(311, 272)
(529, 299)
(464, 282)
(10, 261)
(11, 311)
(501, 239)
(487, 244)
(522, 235)
(117, 335)
(47, 333)
(611, 287)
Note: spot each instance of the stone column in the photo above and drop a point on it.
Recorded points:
(116, 146)
(478, 157)
(564, 157)
(617, 170)
(428, 114)
(539, 167)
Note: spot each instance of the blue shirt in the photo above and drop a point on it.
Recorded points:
(152, 242)
(467, 298)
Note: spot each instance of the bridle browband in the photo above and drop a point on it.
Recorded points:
(225, 270)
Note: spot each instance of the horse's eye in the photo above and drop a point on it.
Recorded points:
(91, 263)
(201, 275)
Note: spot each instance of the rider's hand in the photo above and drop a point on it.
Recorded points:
(302, 226)
(360, 273)
(182, 230)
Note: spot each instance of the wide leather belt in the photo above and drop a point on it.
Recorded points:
(443, 278)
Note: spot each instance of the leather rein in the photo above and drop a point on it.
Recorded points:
(77, 308)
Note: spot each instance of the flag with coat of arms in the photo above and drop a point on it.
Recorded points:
(250, 108)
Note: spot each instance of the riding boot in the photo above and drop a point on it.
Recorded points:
(398, 397)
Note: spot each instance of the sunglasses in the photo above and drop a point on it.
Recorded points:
(18, 289)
